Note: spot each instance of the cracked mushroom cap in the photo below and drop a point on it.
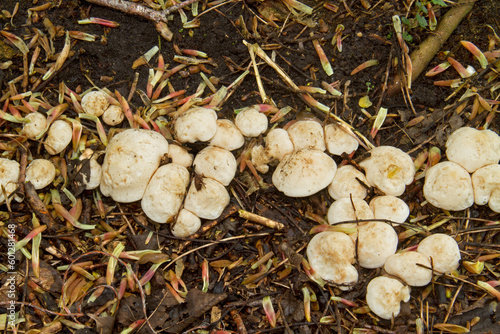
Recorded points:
(251, 122)
(278, 144)
(206, 198)
(95, 103)
(331, 255)
(389, 169)
(131, 158)
(227, 136)
(196, 124)
(216, 163)
(304, 173)
(448, 186)
(376, 242)
(307, 134)
(37, 123)
(472, 148)
(344, 210)
(186, 225)
(339, 141)
(9, 174)
(384, 295)
(390, 208)
(165, 192)
(59, 136)
(41, 173)
(346, 183)
(405, 266)
(486, 185)
(443, 250)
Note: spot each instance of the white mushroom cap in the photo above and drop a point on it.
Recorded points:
(331, 255)
(165, 192)
(343, 210)
(227, 136)
(216, 163)
(338, 141)
(448, 186)
(443, 250)
(196, 124)
(376, 242)
(41, 173)
(472, 148)
(209, 201)
(260, 159)
(251, 122)
(307, 134)
(180, 155)
(384, 295)
(9, 175)
(486, 184)
(95, 103)
(186, 225)
(304, 173)
(389, 169)
(405, 266)
(132, 156)
(113, 115)
(346, 184)
(278, 144)
(58, 137)
(95, 169)
(37, 124)
(390, 208)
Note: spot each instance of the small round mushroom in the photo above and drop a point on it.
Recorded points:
(113, 115)
(376, 242)
(165, 192)
(472, 148)
(448, 186)
(278, 144)
(196, 124)
(206, 198)
(331, 255)
(58, 137)
(344, 209)
(9, 175)
(304, 173)
(41, 173)
(216, 163)
(251, 122)
(132, 156)
(443, 251)
(348, 181)
(390, 208)
(180, 155)
(93, 180)
(389, 169)
(338, 141)
(307, 134)
(384, 295)
(227, 136)
(186, 225)
(37, 123)
(95, 103)
(406, 266)
(486, 184)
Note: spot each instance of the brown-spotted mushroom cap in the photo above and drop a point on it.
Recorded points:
(227, 136)
(95, 103)
(278, 144)
(206, 198)
(376, 242)
(384, 295)
(472, 148)
(9, 174)
(37, 124)
(260, 159)
(486, 184)
(406, 266)
(196, 124)
(251, 122)
(331, 255)
(304, 173)
(389, 169)
(307, 134)
(113, 115)
(443, 251)
(345, 210)
(165, 192)
(448, 186)
(58, 137)
(179, 155)
(41, 173)
(131, 158)
(216, 163)
(348, 181)
(390, 208)
(186, 224)
(338, 141)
